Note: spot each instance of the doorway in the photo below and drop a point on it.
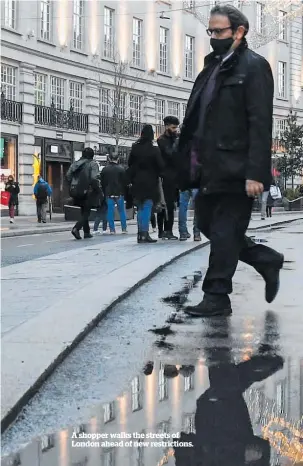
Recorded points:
(56, 177)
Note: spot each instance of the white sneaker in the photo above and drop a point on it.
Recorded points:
(11, 220)
(96, 233)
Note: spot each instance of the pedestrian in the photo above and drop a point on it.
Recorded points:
(263, 199)
(167, 143)
(114, 182)
(101, 215)
(184, 199)
(12, 187)
(269, 206)
(225, 151)
(153, 221)
(84, 183)
(145, 167)
(42, 191)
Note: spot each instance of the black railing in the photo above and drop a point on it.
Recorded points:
(125, 128)
(63, 119)
(10, 110)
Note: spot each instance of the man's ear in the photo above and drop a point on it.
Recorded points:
(240, 32)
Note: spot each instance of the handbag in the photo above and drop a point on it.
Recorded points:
(5, 198)
(275, 192)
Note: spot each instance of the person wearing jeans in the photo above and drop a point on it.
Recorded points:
(184, 199)
(101, 216)
(112, 201)
(144, 214)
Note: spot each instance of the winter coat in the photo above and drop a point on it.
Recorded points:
(92, 198)
(48, 189)
(270, 201)
(145, 167)
(113, 180)
(13, 188)
(235, 144)
(168, 148)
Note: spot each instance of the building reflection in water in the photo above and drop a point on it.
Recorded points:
(235, 414)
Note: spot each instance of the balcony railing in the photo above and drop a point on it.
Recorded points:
(10, 110)
(125, 128)
(63, 119)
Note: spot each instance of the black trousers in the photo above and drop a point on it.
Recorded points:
(268, 211)
(224, 219)
(84, 223)
(169, 191)
(153, 221)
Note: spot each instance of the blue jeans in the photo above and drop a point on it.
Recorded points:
(183, 207)
(101, 216)
(111, 202)
(143, 215)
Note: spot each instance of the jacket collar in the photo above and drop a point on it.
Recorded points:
(230, 61)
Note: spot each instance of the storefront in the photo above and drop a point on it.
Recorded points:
(9, 165)
(56, 157)
(123, 152)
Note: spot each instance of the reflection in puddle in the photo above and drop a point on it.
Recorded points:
(214, 412)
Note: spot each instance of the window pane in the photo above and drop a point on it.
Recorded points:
(76, 96)
(135, 107)
(45, 19)
(163, 52)
(173, 109)
(137, 41)
(8, 81)
(260, 18)
(57, 91)
(40, 89)
(108, 33)
(281, 79)
(282, 25)
(78, 21)
(189, 57)
(160, 111)
(10, 13)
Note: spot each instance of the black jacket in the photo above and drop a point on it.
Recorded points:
(13, 189)
(168, 148)
(237, 135)
(113, 180)
(145, 168)
(93, 197)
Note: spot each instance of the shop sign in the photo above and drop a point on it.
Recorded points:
(59, 135)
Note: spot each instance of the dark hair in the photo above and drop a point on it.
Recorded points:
(147, 134)
(235, 16)
(171, 120)
(88, 153)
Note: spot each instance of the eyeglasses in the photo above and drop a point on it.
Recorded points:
(217, 31)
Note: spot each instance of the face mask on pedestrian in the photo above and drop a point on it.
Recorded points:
(221, 46)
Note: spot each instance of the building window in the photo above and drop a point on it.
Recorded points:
(184, 107)
(188, 423)
(10, 13)
(281, 397)
(282, 25)
(237, 4)
(190, 5)
(108, 457)
(57, 91)
(47, 442)
(40, 89)
(163, 385)
(173, 109)
(81, 429)
(108, 33)
(260, 18)
(119, 105)
(189, 57)
(135, 103)
(8, 82)
(104, 102)
(164, 68)
(45, 32)
(78, 19)
(136, 394)
(76, 96)
(109, 412)
(137, 41)
(189, 383)
(280, 127)
(282, 79)
(160, 111)
(139, 455)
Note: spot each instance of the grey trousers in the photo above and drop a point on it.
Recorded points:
(264, 197)
(41, 211)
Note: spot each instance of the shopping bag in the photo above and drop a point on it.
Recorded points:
(5, 197)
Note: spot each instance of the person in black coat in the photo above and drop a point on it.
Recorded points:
(145, 167)
(12, 187)
(225, 151)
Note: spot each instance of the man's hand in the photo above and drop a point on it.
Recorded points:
(253, 188)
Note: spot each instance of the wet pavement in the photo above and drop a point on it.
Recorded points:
(150, 386)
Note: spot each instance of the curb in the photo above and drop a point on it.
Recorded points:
(15, 410)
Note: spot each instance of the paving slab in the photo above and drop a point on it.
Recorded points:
(51, 303)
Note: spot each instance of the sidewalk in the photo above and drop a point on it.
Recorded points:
(24, 226)
(63, 297)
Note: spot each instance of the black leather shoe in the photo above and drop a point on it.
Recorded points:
(271, 276)
(139, 237)
(212, 305)
(183, 237)
(145, 238)
(76, 233)
(88, 235)
(169, 236)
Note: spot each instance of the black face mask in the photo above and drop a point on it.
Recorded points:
(221, 46)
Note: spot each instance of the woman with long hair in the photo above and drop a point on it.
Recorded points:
(145, 167)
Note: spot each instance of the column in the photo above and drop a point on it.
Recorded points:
(92, 109)
(149, 108)
(27, 204)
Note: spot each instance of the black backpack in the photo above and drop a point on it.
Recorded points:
(80, 183)
(42, 192)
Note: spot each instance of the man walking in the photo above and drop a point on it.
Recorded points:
(113, 181)
(167, 143)
(83, 179)
(225, 151)
(184, 199)
(42, 191)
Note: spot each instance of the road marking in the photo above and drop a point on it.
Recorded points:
(53, 241)
(24, 245)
